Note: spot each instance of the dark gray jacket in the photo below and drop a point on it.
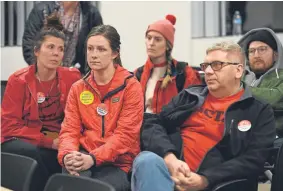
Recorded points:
(90, 17)
(239, 155)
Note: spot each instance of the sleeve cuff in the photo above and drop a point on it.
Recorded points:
(210, 180)
(94, 159)
(63, 159)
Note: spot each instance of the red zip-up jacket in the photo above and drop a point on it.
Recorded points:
(21, 97)
(112, 138)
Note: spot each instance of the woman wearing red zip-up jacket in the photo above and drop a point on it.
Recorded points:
(162, 77)
(103, 115)
(34, 101)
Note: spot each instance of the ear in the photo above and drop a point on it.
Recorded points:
(240, 71)
(114, 54)
(35, 51)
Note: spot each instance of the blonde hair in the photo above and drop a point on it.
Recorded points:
(230, 47)
(169, 59)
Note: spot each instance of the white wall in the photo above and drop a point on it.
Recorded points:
(11, 60)
(131, 20)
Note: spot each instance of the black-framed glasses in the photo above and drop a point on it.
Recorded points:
(260, 50)
(215, 65)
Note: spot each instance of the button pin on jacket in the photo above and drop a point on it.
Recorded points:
(40, 97)
(102, 109)
(244, 125)
(86, 97)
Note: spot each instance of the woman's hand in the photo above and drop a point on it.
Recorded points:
(76, 161)
(83, 162)
(69, 160)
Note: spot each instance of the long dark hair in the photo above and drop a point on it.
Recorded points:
(52, 27)
(111, 34)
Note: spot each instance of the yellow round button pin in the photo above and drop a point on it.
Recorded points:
(86, 97)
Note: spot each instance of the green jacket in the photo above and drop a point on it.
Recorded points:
(269, 87)
(271, 90)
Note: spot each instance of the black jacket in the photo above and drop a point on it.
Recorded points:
(238, 155)
(90, 18)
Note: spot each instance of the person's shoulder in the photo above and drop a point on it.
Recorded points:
(69, 72)
(274, 75)
(185, 66)
(259, 105)
(19, 75)
(189, 68)
(89, 6)
(278, 73)
(255, 101)
(40, 6)
(131, 81)
(199, 89)
(22, 71)
(78, 84)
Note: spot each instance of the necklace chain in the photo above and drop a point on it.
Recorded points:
(48, 94)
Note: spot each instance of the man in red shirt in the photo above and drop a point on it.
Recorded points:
(207, 134)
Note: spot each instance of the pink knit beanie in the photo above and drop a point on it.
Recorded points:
(164, 27)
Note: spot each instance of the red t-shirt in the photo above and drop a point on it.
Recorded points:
(103, 89)
(204, 129)
(50, 111)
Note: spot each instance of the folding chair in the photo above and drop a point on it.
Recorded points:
(17, 171)
(277, 179)
(269, 165)
(65, 182)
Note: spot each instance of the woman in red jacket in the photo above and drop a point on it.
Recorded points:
(103, 115)
(162, 77)
(34, 101)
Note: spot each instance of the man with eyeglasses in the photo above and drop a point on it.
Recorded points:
(209, 134)
(264, 71)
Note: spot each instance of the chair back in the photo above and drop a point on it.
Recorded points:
(277, 178)
(65, 182)
(17, 171)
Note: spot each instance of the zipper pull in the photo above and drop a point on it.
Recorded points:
(231, 125)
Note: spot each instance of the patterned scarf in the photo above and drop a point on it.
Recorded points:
(71, 26)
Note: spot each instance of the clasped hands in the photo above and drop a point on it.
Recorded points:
(76, 162)
(184, 179)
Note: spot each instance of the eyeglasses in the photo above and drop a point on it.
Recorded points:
(260, 50)
(215, 65)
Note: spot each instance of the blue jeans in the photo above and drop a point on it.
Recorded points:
(150, 173)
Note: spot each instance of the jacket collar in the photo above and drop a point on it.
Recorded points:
(201, 91)
(118, 80)
(186, 104)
